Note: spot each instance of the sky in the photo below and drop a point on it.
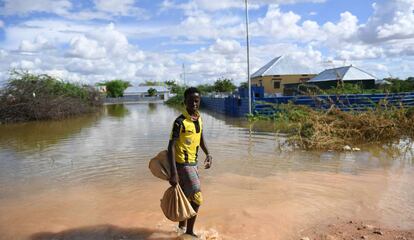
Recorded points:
(198, 41)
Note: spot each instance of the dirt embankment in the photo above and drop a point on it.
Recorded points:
(353, 230)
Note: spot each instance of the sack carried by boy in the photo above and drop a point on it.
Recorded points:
(174, 203)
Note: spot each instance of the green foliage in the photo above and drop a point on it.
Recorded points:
(151, 83)
(205, 88)
(244, 84)
(115, 88)
(333, 129)
(398, 85)
(170, 83)
(224, 85)
(152, 91)
(25, 84)
(176, 101)
(174, 87)
(36, 97)
(347, 88)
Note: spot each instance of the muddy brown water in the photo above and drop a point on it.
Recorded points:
(87, 178)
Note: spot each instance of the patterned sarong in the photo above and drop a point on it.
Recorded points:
(190, 182)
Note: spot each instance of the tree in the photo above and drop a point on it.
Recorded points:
(152, 91)
(151, 83)
(115, 88)
(244, 84)
(205, 88)
(174, 87)
(224, 85)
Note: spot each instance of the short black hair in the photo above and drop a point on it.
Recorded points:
(190, 91)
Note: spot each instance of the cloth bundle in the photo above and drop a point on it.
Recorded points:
(174, 203)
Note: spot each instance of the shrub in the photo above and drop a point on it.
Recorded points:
(28, 97)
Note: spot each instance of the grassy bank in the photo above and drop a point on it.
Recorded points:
(27, 97)
(334, 129)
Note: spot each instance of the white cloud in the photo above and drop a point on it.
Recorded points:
(81, 47)
(3, 53)
(120, 8)
(209, 5)
(280, 25)
(357, 51)
(113, 40)
(344, 31)
(24, 7)
(39, 43)
(390, 20)
(26, 64)
(225, 46)
(1, 24)
(136, 56)
(88, 66)
(56, 31)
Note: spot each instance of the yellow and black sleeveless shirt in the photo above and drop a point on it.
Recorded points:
(188, 135)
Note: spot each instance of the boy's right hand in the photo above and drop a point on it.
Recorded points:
(173, 180)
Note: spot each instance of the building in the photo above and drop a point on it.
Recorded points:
(280, 71)
(142, 91)
(331, 78)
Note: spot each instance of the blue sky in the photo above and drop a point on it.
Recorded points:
(138, 40)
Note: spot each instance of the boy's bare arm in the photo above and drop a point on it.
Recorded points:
(209, 159)
(171, 157)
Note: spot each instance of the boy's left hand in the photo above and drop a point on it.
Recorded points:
(208, 162)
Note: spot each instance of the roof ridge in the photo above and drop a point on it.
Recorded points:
(365, 72)
(276, 60)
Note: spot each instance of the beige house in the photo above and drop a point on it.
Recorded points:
(281, 70)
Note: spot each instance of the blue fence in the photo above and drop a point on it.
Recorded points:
(239, 107)
(231, 106)
(351, 102)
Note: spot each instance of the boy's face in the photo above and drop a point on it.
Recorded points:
(192, 102)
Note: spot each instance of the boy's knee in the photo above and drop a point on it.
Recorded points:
(198, 198)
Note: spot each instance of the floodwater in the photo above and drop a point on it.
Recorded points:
(88, 178)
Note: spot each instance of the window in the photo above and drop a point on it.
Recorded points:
(304, 79)
(276, 84)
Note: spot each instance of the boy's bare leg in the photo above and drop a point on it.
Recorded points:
(191, 221)
(182, 224)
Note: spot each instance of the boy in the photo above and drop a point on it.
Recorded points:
(186, 138)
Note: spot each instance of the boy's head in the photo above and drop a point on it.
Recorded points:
(192, 99)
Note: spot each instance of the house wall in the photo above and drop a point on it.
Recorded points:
(365, 84)
(268, 82)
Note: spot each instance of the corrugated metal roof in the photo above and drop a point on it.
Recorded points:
(283, 65)
(348, 73)
(144, 89)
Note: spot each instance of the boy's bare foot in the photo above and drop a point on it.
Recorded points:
(180, 229)
(192, 234)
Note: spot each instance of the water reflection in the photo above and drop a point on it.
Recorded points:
(152, 107)
(40, 135)
(66, 176)
(117, 110)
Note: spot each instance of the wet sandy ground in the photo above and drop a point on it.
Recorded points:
(283, 206)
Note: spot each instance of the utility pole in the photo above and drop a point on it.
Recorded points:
(248, 57)
(184, 75)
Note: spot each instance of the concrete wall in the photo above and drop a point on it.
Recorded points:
(133, 98)
(267, 81)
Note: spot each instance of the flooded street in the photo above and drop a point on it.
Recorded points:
(88, 177)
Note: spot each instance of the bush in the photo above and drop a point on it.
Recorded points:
(28, 97)
(333, 129)
(115, 88)
(152, 91)
(224, 85)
